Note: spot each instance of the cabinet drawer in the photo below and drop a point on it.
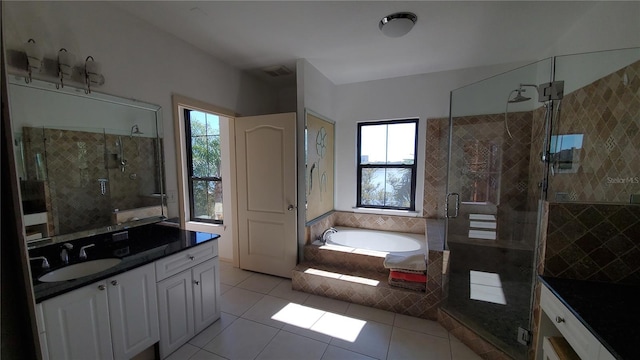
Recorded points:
(183, 260)
(578, 336)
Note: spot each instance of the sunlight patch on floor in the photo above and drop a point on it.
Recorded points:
(486, 287)
(332, 275)
(334, 325)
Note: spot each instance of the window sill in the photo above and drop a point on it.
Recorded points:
(406, 213)
(205, 227)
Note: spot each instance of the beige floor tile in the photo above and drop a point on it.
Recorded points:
(260, 283)
(372, 339)
(336, 353)
(206, 335)
(311, 334)
(236, 301)
(224, 288)
(184, 352)
(265, 310)
(460, 351)
(420, 325)
(284, 290)
(244, 339)
(369, 313)
(205, 355)
(286, 345)
(407, 344)
(231, 275)
(327, 304)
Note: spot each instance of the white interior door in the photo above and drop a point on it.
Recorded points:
(266, 170)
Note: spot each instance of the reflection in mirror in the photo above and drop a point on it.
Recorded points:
(87, 163)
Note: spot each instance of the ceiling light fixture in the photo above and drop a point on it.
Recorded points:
(398, 24)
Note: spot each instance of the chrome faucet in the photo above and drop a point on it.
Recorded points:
(83, 254)
(326, 233)
(64, 254)
(45, 262)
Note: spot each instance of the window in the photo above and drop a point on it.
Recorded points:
(387, 164)
(203, 165)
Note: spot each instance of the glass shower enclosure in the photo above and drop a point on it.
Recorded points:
(562, 129)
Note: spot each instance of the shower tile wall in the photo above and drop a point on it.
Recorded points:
(73, 162)
(483, 152)
(596, 242)
(607, 113)
(133, 187)
(435, 170)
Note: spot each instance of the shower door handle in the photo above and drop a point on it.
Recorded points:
(457, 205)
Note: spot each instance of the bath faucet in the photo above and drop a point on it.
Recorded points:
(326, 234)
(83, 253)
(45, 262)
(64, 254)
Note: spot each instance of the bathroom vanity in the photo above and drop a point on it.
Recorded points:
(165, 289)
(598, 320)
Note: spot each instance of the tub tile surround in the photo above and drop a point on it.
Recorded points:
(382, 296)
(413, 225)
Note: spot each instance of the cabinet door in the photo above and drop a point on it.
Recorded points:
(133, 311)
(206, 289)
(175, 303)
(77, 324)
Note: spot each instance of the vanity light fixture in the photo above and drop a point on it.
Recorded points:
(34, 58)
(65, 66)
(92, 73)
(397, 24)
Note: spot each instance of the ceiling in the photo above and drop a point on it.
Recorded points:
(342, 40)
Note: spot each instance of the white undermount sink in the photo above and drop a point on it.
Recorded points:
(79, 270)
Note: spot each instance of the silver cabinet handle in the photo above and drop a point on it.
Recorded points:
(114, 282)
(290, 207)
(101, 287)
(196, 282)
(191, 257)
(559, 319)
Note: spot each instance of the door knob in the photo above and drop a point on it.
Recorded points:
(101, 287)
(114, 282)
(196, 282)
(290, 207)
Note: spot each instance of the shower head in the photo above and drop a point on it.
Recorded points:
(135, 131)
(519, 97)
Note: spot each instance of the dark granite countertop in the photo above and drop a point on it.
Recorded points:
(609, 311)
(145, 244)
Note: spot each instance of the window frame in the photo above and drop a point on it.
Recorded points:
(413, 167)
(190, 177)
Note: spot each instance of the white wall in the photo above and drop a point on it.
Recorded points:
(607, 25)
(422, 96)
(315, 92)
(138, 61)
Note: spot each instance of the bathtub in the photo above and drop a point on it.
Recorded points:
(378, 241)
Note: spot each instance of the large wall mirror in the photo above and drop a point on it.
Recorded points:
(88, 163)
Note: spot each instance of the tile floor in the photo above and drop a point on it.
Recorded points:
(262, 318)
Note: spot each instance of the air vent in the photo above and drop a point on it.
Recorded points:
(278, 70)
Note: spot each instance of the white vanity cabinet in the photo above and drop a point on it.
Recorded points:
(188, 293)
(557, 320)
(114, 318)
